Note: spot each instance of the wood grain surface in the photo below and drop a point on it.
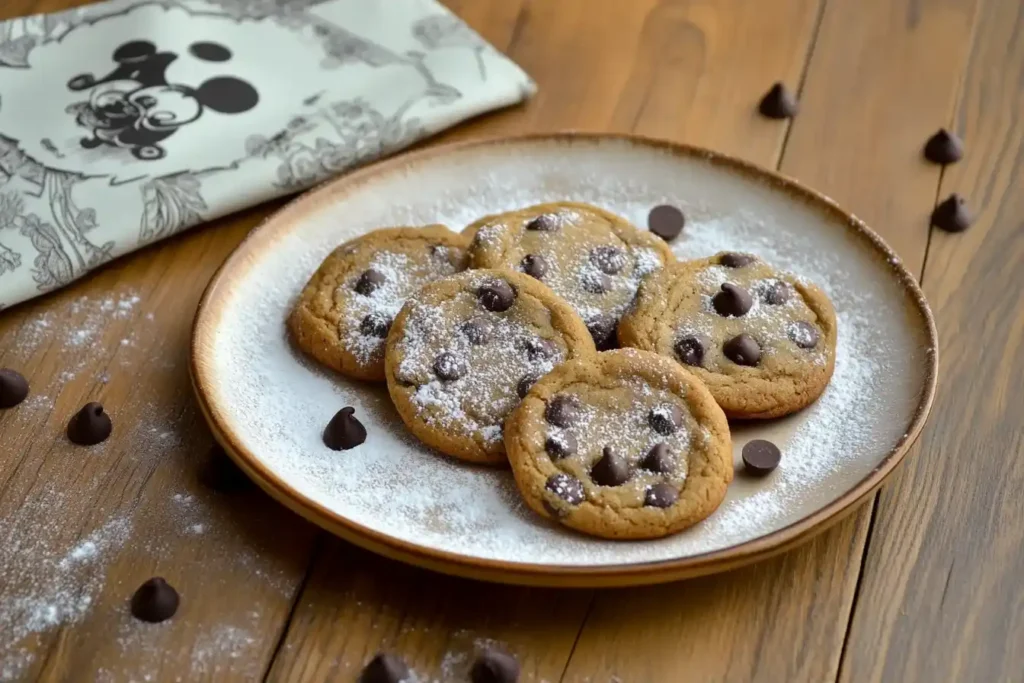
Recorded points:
(267, 596)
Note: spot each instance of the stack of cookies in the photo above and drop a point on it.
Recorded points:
(499, 345)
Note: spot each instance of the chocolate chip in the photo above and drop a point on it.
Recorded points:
(805, 335)
(602, 329)
(497, 296)
(370, 281)
(690, 350)
(534, 265)
(779, 103)
(666, 221)
(385, 668)
(658, 459)
(344, 431)
(611, 470)
(448, 367)
(761, 457)
(733, 301)
(477, 331)
(494, 666)
(543, 223)
(944, 148)
(742, 350)
(563, 410)
(527, 381)
(155, 601)
(13, 388)
(90, 425)
(661, 495)
(560, 446)
(375, 325)
(566, 487)
(665, 419)
(538, 349)
(776, 293)
(608, 259)
(734, 259)
(221, 474)
(595, 282)
(952, 215)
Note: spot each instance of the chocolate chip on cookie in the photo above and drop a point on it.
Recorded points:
(477, 331)
(661, 496)
(733, 259)
(804, 334)
(776, 293)
(666, 221)
(611, 470)
(449, 367)
(690, 350)
(566, 487)
(528, 380)
(343, 314)
(742, 350)
(658, 459)
(732, 301)
(610, 260)
(496, 295)
(602, 331)
(560, 446)
(543, 223)
(760, 457)
(534, 265)
(665, 419)
(595, 282)
(563, 410)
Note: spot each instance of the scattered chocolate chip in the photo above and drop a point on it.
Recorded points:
(497, 296)
(538, 349)
(742, 350)
(90, 425)
(666, 222)
(534, 265)
(805, 335)
(733, 301)
(761, 457)
(494, 666)
(944, 148)
(13, 388)
(602, 329)
(375, 325)
(566, 487)
(608, 259)
(611, 470)
(560, 446)
(221, 474)
(779, 103)
(477, 331)
(952, 215)
(344, 431)
(777, 293)
(448, 367)
(385, 668)
(658, 459)
(523, 388)
(370, 281)
(733, 259)
(562, 410)
(596, 282)
(665, 419)
(543, 223)
(661, 495)
(155, 601)
(690, 350)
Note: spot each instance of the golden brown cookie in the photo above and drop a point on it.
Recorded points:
(588, 256)
(624, 445)
(343, 315)
(464, 350)
(763, 341)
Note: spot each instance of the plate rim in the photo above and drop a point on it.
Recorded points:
(503, 571)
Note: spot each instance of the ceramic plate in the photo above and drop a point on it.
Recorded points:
(268, 405)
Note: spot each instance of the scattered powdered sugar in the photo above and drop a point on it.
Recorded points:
(392, 484)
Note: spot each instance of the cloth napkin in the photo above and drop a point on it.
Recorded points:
(125, 122)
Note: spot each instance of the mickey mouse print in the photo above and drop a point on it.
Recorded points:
(124, 122)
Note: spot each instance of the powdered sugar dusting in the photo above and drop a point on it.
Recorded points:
(278, 407)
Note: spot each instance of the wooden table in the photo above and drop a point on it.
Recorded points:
(922, 584)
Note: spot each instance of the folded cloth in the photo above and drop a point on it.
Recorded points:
(125, 122)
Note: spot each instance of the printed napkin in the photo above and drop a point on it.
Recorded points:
(125, 122)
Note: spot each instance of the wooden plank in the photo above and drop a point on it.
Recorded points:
(941, 597)
(785, 619)
(600, 66)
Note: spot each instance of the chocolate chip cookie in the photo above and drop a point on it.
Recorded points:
(343, 315)
(465, 349)
(590, 257)
(624, 445)
(763, 341)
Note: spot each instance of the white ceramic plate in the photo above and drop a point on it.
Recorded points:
(268, 405)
